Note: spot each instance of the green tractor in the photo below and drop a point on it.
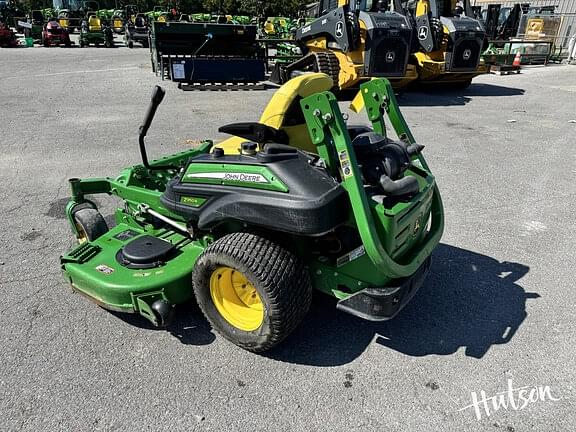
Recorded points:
(94, 31)
(295, 202)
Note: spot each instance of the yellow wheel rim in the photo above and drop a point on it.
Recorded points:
(82, 236)
(236, 299)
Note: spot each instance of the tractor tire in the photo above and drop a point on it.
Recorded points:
(252, 291)
(90, 224)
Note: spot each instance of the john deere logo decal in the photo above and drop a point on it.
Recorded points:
(416, 227)
(390, 56)
(339, 29)
(467, 54)
(422, 32)
(230, 176)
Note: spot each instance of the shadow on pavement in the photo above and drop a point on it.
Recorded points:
(188, 325)
(469, 300)
(446, 96)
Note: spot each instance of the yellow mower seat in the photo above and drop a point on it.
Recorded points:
(269, 28)
(94, 24)
(280, 111)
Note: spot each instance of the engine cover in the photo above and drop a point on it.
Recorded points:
(277, 188)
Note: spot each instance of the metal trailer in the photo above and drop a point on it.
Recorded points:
(206, 53)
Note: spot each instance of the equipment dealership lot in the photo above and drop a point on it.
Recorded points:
(498, 304)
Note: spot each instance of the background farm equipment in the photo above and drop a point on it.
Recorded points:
(33, 25)
(136, 31)
(530, 31)
(206, 53)
(94, 32)
(54, 34)
(71, 13)
(449, 42)
(353, 41)
(117, 21)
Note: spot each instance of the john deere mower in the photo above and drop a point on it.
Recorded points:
(117, 21)
(93, 31)
(136, 31)
(71, 13)
(450, 42)
(352, 41)
(251, 226)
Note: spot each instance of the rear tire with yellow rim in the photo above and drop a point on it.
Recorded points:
(252, 291)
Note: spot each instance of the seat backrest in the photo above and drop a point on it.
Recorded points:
(269, 28)
(94, 23)
(283, 112)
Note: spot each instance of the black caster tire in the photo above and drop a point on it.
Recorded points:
(90, 224)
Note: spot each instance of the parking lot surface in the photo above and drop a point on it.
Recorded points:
(499, 303)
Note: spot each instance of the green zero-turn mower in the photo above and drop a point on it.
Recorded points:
(250, 233)
(94, 31)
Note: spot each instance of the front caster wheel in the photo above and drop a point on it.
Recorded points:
(252, 291)
(90, 224)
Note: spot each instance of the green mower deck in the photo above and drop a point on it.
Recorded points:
(240, 234)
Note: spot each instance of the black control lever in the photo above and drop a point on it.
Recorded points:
(157, 96)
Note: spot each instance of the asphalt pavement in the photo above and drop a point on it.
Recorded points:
(499, 303)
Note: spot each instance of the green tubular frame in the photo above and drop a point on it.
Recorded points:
(329, 133)
(127, 186)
